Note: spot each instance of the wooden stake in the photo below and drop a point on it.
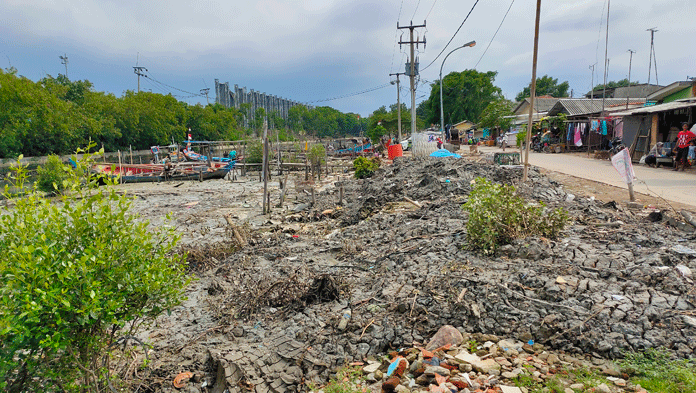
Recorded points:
(264, 168)
(130, 150)
(120, 168)
(630, 192)
(314, 198)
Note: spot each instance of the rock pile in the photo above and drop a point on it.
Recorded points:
(615, 281)
(486, 363)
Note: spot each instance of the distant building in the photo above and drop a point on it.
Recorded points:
(675, 91)
(541, 104)
(634, 91)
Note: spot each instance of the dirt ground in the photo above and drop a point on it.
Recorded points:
(266, 315)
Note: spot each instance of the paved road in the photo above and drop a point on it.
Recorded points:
(673, 186)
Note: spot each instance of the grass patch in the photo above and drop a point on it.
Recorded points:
(657, 373)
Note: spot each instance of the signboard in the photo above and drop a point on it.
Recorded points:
(622, 163)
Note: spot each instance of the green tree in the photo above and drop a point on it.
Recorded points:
(493, 116)
(545, 85)
(465, 95)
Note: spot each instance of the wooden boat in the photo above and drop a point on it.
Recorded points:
(138, 173)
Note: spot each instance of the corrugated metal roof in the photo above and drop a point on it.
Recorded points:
(587, 106)
(680, 104)
(541, 104)
(670, 89)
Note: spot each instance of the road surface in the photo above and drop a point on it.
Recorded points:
(673, 186)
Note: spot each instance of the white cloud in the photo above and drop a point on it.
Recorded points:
(316, 49)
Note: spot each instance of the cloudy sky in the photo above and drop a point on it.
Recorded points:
(314, 50)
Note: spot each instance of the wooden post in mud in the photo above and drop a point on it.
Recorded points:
(244, 159)
(314, 198)
(306, 170)
(120, 168)
(264, 169)
(130, 151)
(340, 191)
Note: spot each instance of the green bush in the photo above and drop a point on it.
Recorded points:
(316, 154)
(497, 216)
(77, 274)
(365, 167)
(53, 176)
(254, 151)
(520, 138)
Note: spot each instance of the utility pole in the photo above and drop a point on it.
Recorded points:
(606, 61)
(205, 92)
(532, 92)
(398, 101)
(139, 71)
(64, 61)
(652, 50)
(412, 68)
(629, 76)
(592, 87)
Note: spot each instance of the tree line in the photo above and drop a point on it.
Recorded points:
(55, 115)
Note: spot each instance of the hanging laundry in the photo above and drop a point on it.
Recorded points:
(578, 135)
(604, 127)
(594, 125)
(618, 129)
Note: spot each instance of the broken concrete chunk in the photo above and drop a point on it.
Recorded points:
(447, 335)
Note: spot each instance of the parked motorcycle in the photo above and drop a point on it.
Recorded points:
(616, 146)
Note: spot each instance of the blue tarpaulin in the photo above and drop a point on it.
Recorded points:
(444, 153)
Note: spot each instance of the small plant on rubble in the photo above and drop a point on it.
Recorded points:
(365, 167)
(78, 274)
(497, 216)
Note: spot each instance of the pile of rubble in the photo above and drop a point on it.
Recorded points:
(453, 362)
(395, 251)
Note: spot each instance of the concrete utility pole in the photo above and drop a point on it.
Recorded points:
(412, 69)
(139, 71)
(205, 92)
(398, 101)
(630, 60)
(652, 51)
(606, 61)
(64, 61)
(442, 116)
(532, 92)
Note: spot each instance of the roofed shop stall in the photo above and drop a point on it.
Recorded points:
(646, 126)
(593, 123)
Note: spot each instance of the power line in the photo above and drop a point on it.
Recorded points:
(391, 67)
(496, 33)
(350, 95)
(454, 35)
(414, 11)
(431, 9)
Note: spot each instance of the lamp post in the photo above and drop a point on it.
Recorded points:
(442, 115)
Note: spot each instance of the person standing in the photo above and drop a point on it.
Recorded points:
(683, 140)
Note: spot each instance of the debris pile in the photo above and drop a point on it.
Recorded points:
(313, 291)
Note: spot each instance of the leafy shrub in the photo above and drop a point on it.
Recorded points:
(316, 154)
(254, 151)
(365, 167)
(520, 138)
(497, 216)
(76, 275)
(53, 176)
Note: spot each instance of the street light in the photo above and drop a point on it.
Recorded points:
(442, 115)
